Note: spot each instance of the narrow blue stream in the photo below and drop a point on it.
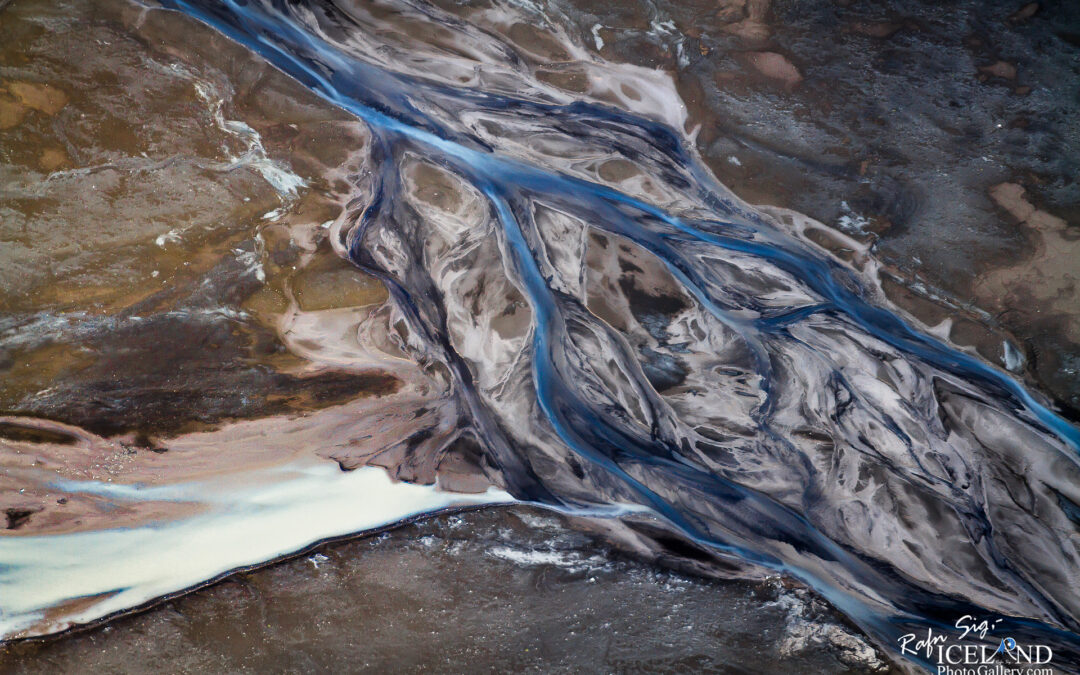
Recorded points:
(652, 467)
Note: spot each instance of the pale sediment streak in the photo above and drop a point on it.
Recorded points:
(51, 582)
(617, 327)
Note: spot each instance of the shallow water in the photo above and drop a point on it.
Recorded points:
(557, 299)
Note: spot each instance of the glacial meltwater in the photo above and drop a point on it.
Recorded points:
(281, 272)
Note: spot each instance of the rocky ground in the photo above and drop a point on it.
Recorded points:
(162, 207)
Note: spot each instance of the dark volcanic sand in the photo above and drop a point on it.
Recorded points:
(495, 590)
(898, 122)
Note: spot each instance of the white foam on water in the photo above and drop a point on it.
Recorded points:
(270, 513)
